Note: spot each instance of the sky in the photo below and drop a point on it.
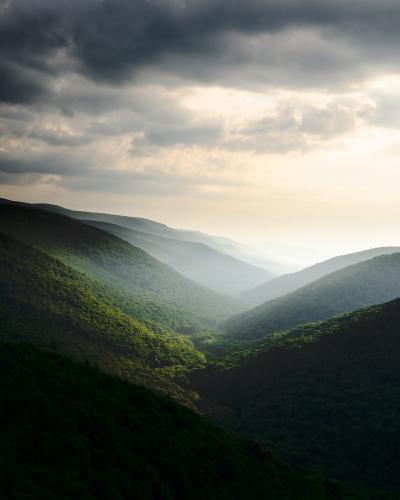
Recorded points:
(274, 122)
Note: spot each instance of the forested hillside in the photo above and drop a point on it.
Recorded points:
(370, 282)
(45, 302)
(69, 431)
(323, 394)
(282, 285)
(158, 292)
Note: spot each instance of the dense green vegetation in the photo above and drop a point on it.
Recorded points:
(69, 431)
(158, 293)
(287, 283)
(324, 394)
(196, 261)
(45, 302)
(370, 282)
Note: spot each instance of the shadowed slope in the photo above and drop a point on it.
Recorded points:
(324, 394)
(69, 431)
(370, 282)
(287, 283)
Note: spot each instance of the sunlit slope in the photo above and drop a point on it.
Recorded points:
(47, 303)
(324, 394)
(282, 285)
(370, 282)
(162, 293)
(69, 431)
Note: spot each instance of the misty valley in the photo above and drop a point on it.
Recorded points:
(141, 361)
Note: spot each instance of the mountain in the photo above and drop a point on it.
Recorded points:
(157, 292)
(196, 261)
(49, 304)
(69, 431)
(282, 285)
(369, 282)
(224, 246)
(324, 394)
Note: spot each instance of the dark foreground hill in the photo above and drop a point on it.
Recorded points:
(196, 261)
(47, 303)
(158, 292)
(69, 431)
(324, 394)
(287, 283)
(370, 282)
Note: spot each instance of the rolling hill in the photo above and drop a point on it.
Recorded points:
(47, 303)
(157, 292)
(324, 394)
(196, 261)
(222, 245)
(69, 431)
(282, 285)
(369, 282)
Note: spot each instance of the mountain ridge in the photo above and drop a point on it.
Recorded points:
(116, 263)
(197, 261)
(366, 283)
(287, 283)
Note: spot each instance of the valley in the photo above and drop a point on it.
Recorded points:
(322, 395)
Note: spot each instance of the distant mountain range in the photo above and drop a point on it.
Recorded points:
(282, 285)
(163, 293)
(323, 394)
(196, 261)
(215, 262)
(369, 282)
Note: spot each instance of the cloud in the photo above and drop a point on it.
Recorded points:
(386, 109)
(39, 165)
(20, 85)
(79, 173)
(182, 132)
(295, 126)
(97, 92)
(318, 42)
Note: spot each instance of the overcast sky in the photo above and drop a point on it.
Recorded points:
(262, 120)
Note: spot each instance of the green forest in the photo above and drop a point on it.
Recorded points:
(122, 378)
(70, 431)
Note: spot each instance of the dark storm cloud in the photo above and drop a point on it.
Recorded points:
(20, 85)
(110, 40)
(40, 165)
(69, 174)
(73, 72)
